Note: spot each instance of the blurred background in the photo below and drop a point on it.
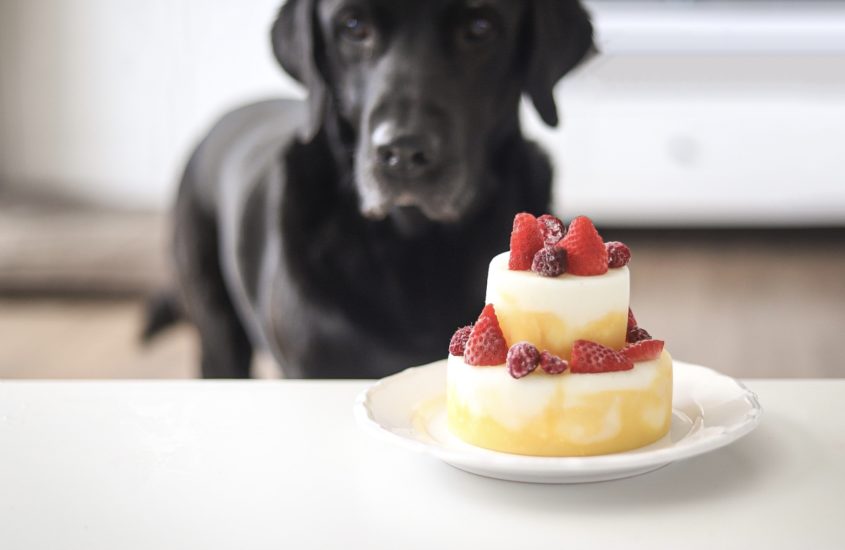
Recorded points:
(708, 135)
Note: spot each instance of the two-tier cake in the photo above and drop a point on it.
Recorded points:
(556, 364)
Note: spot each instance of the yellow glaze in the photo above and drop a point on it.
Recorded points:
(574, 421)
(548, 331)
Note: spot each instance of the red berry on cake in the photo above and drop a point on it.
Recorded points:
(585, 250)
(522, 359)
(633, 332)
(486, 344)
(552, 364)
(549, 261)
(459, 340)
(551, 228)
(618, 254)
(632, 321)
(644, 350)
(591, 357)
(526, 240)
(637, 334)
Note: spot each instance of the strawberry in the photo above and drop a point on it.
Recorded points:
(459, 340)
(526, 240)
(590, 357)
(644, 350)
(585, 250)
(632, 321)
(618, 254)
(486, 345)
(551, 228)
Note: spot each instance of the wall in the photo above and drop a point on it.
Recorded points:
(102, 99)
(713, 117)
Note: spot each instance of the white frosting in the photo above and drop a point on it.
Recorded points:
(574, 299)
(611, 425)
(492, 391)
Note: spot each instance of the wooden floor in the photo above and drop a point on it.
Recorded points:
(86, 338)
(748, 303)
(752, 304)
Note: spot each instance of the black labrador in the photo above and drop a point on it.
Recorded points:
(350, 234)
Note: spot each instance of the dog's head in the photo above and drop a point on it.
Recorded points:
(426, 89)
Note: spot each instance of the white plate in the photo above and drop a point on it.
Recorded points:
(709, 410)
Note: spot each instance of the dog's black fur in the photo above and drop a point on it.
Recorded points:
(350, 234)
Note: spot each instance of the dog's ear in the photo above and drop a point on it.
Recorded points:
(295, 42)
(560, 36)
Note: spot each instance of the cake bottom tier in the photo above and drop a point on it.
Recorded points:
(560, 415)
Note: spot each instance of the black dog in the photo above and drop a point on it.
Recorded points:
(350, 235)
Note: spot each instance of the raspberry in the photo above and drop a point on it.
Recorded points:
(590, 357)
(632, 321)
(552, 364)
(551, 229)
(644, 350)
(549, 261)
(459, 340)
(637, 334)
(526, 240)
(486, 344)
(618, 254)
(633, 332)
(585, 251)
(522, 359)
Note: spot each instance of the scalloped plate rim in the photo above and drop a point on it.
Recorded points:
(513, 466)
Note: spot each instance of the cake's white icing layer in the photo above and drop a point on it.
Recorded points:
(575, 300)
(492, 392)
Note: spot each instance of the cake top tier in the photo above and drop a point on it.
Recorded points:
(552, 313)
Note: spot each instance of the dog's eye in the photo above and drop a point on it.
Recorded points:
(355, 27)
(477, 27)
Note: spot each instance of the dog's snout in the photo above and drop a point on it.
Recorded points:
(409, 156)
(406, 155)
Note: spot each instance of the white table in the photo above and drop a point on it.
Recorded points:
(242, 465)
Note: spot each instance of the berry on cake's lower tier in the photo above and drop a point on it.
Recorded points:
(560, 415)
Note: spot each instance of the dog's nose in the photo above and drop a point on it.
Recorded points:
(408, 155)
